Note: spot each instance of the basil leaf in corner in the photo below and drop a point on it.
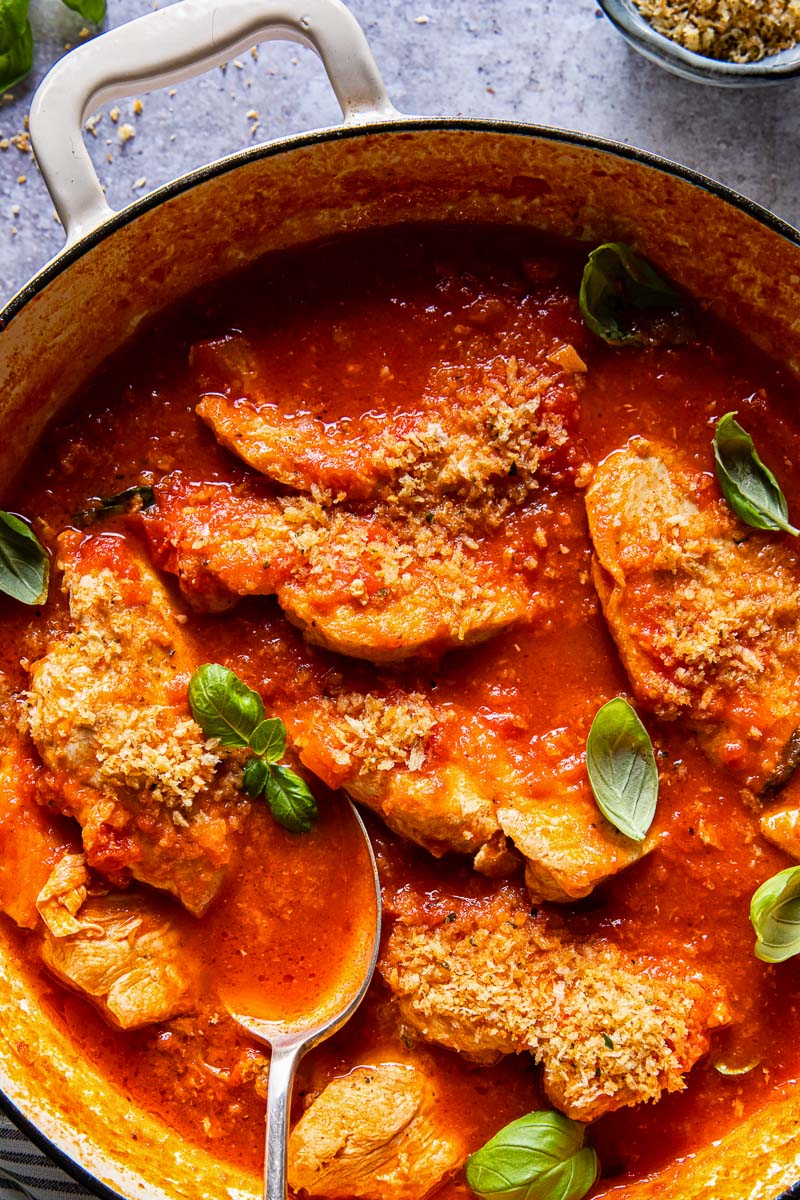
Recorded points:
(223, 706)
(90, 10)
(749, 487)
(538, 1157)
(16, 42)
(290, 799)
(775, 916)
(617, 285)
(622, 769)
(24, 565)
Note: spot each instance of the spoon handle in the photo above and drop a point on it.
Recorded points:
(282, 1067)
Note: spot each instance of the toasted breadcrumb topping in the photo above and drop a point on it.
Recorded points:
(734, 30)
(369, 734)
(502, 981)
(93, 699)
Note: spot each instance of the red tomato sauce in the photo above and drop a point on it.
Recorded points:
(355, 327)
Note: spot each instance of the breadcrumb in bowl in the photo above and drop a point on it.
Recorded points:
(779, 67)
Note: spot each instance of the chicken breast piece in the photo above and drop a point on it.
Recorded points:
(108, 714)
(489, 977)
(369, 585)
(375, 1134)
(122, 952)
(444, 779)
(474, 426)
(703, 609)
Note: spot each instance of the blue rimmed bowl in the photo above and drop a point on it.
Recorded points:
(639, 33)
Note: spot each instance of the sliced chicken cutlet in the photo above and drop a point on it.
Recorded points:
(109, 716)
(704, 610)
(375, 1134)
(368, 585)
(490, 976)
(414, 532)
(473, 426)
(123, 952)
(445, 779)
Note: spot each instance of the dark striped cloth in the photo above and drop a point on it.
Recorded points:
(25, 1171)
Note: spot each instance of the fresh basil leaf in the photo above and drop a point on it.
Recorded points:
(269, 739)
(290, 799)
(255, 776)
(90, 10)
(16, 42)
(24, 565)
(775, 916)
(122, 502)
(622, 768)
(223, 706)
(617, 285)
(538, 1157)
(749, 487)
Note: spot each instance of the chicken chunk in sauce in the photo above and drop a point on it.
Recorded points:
(121, 951)
(493, 977)
(375, 1134)
(480, 430)
(109, 716)
(445, 779)
(370, 585)
(703, 610)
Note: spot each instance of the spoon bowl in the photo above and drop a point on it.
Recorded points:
(291, 1036)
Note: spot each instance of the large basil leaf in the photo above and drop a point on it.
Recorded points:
(622, 768)
(223, 706)
(537, 1157)
(24, 565)
(749, 487)
(290, 799)
(617, 285)
(90, 10)
(16, 42)
(775, 915)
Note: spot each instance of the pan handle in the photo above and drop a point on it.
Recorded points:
(176, 43)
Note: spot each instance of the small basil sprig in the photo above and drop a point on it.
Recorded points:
(537, 1157)
(226, 708)
(622, 768)
(24, 565)
(616, 283)
(749, 487)
(775, 916)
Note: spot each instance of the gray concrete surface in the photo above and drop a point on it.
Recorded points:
(555, 62)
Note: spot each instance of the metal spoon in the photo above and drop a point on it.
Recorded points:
(289, 1040)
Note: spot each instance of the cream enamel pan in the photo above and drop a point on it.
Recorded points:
(377, 168)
